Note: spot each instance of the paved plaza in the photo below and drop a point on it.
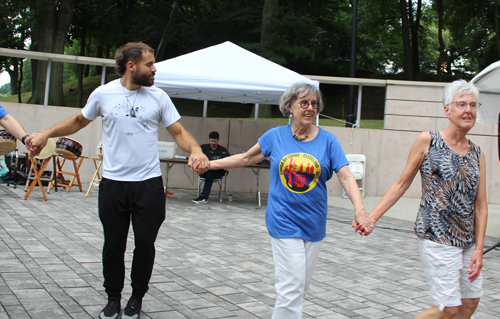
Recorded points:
(213, 261)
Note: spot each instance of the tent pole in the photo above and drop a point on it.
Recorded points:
(103, 75)
(47, 83)
(256, 118)
(317, 119)
(358, 111)
(205, 106)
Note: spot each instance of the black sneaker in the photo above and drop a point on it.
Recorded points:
(111, 311)
(201, 199)
(133, 308)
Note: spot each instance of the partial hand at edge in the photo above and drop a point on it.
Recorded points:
(475, 265)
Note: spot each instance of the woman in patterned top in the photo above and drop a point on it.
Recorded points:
(451, 221)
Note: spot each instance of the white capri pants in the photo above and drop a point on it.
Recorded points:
(294, 263)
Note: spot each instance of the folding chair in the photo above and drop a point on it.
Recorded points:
(357, 166)
(218, 181)
(97, 177)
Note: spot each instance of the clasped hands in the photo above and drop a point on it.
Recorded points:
(363, 224)
(199, 164)
(35, 144)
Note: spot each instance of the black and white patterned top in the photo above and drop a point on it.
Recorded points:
(449, 187)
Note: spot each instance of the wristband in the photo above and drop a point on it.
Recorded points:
(23, 138)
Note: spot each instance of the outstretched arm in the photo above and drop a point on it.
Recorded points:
(251, 157)
(362, 223)
(69, 126)
(12, 126)
(417, 153)
(187, 143)
(480, 220)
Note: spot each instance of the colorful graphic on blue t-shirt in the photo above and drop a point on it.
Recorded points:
(299, 172)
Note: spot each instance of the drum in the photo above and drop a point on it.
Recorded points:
(7, 142)
(48, 150)
(68, 146)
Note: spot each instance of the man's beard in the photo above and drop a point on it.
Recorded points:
(143, 79)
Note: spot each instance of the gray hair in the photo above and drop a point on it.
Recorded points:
(459, 87)
(291, 94)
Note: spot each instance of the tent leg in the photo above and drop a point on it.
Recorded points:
(205, 107)
(358, 111)
(256, 117)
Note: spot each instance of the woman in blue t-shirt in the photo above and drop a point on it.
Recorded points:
(303, 158)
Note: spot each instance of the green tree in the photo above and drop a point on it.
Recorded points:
(15, 24)
(52, 19)
(473, 26)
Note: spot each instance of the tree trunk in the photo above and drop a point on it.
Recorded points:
(440, 10)
(406, 41)
(98, 54)
(52, 22)
(269, 9)
(79, 102)
(86, 70)
(20, 81)
(160, 52)
(14, 74)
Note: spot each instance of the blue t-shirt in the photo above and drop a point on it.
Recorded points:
(3, 112)
(298, 202)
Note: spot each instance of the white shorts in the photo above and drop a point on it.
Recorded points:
(446, 271)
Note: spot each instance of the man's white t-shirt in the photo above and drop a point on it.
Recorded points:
(130, 143)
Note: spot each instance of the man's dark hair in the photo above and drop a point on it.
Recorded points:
(131, 51)
(213, 134)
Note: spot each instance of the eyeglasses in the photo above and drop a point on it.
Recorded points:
(305, 104)
(462, 105)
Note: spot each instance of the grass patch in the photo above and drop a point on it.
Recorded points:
(70, 91)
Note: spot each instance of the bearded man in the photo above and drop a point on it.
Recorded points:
(131, 189)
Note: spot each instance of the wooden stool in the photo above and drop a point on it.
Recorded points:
(60, 173)
(96, 159)
(37, 177)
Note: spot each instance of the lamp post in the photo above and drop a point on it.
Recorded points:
(350, 118)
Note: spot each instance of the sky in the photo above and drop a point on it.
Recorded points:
(4, 78)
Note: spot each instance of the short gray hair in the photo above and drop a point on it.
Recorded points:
(291, 94)
(459, 87)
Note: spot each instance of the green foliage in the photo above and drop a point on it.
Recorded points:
(5, 90)
(310, 38)
(27, 84)
(473, 34)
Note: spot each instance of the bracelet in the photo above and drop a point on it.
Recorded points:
(23, 138)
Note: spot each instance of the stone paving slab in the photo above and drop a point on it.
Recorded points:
(213, 260)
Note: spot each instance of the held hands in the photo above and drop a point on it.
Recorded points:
(362, 223)
(198, 162)
(35, 143)
(197, 167)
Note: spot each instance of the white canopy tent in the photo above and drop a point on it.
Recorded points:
(488, 82)
(225, 72)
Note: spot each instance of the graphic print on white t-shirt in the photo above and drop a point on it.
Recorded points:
(124, 123)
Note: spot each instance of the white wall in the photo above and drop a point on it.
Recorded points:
(408, 110)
